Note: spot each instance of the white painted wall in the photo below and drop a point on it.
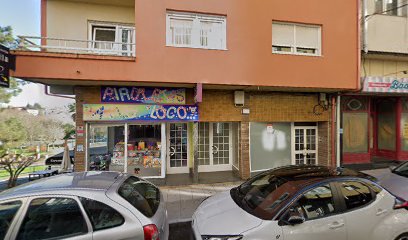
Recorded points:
(69, 20)
(386, 33)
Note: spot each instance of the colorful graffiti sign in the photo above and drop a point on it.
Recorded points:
(140, 112)
(143, 95)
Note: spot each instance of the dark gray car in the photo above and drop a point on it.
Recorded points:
(82, 206)
(394, 180)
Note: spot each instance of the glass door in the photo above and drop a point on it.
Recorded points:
(178, 148)
(305, 145)
(214, 147)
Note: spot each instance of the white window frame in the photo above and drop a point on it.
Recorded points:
(400, 11)
(293, 141)
(295, 46)
(119, 27)
(195, 33)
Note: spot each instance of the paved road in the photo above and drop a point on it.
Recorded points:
(181, 231)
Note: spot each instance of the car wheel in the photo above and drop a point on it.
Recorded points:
(403, 236)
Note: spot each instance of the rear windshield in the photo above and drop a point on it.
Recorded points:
(144, 196)
(262, 195)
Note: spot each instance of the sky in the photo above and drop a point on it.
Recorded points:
(24, 17)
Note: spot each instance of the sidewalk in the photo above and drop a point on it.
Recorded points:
(182, 201)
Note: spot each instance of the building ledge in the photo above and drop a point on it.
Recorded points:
(71, 55)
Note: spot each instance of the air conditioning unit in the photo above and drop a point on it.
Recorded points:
(239, 98)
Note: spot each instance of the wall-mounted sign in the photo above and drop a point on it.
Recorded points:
(4, 66)
(80, 131)
(140, 112)
(80, 148)
(385, 85)
(143, 95)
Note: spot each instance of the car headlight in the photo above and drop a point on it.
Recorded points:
(236, 237)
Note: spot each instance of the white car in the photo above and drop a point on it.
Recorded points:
(303, 202)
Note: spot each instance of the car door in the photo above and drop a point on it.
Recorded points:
(10, 211)
(318, 208)
(52, 217)
(364, 209)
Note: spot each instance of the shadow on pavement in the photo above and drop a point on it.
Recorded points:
(181, 231)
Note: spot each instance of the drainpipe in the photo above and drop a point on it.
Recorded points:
(365, 27)
(55, 95)
(338, 148)
(333, 131)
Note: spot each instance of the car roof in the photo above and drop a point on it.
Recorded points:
(310, 173)
(70, 181)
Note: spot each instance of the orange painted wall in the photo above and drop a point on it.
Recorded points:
(248, 60)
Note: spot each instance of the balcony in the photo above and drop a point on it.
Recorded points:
(94, 47)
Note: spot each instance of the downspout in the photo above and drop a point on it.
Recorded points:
(333, 132)
(55, 95)
(338, 119)
(365, 27)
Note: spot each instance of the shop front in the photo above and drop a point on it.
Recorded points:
(375, 122)
(143, 131)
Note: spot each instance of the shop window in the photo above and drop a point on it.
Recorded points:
(302, 39)
(196, 30)
(270, 145)
(108, 147)
(355, 132)
(144, 149)
(404, 125)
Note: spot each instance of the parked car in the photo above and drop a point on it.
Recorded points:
(394, 179)
(82, 206)
(303, 202)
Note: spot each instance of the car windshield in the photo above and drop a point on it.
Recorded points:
(262, 195)
(402, 170)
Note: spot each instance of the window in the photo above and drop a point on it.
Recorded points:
(391, 7)
(7, 213)
(142, 195)
(112, 38)
(48, 218)
(288, 38)
(316, 203)
(355, 194)
(101, 215)
(196, 30)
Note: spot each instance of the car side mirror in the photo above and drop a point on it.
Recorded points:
(296, 219)
(392, 168)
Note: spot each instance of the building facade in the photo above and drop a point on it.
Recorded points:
(374, 119)
(181, 87)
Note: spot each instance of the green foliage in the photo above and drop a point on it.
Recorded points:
(7, 39)
(6, 36)
(69, 130)
(12, 132)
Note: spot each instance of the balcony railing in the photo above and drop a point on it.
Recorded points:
(61, 45)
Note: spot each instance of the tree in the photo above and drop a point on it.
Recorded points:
(69, 130)
(7, 39)
(12, 132)
(15, 164)
(72, 110)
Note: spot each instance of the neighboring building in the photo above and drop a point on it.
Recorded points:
(253, 83)
(375, 119)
